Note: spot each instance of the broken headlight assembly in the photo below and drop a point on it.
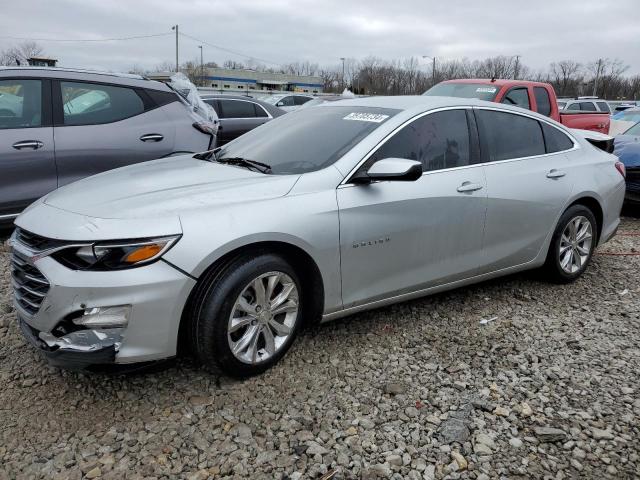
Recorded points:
(101, 256)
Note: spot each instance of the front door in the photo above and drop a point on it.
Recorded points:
(399, 237)
(27, 162)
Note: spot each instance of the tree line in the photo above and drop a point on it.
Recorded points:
(372, 75)
(411, 76)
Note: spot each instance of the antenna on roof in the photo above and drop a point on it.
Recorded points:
(493, 79)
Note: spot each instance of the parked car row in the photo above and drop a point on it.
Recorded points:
(239, 114)
(57, 126)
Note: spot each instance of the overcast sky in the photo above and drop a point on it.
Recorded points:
(321, 31)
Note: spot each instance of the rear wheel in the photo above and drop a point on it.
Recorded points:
(246, 317)
(572, 245)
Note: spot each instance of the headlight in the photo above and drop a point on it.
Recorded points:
(115, 255)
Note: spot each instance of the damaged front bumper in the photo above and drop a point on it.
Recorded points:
(79, 319)
(78, 351)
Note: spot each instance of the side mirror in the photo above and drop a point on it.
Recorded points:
(391, 169)
(280, 104)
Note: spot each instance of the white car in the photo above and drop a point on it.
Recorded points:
(287, 102)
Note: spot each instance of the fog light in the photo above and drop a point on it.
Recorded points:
(105, 317)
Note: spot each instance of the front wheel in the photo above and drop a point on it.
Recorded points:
(247, 316)
(572, 245)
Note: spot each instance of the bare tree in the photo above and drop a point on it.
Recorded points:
(566, 76)
(18, 54)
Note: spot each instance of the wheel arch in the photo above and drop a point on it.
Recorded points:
(594, 205)
(302, 262)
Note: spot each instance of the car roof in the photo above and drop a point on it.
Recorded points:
(498, 81)
(272, 109)
(409, 102)
(128, 79)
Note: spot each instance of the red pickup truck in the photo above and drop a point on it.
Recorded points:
(536, 96)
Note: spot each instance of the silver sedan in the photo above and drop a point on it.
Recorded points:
(316, 215)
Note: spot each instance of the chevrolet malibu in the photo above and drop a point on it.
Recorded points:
(316, 215)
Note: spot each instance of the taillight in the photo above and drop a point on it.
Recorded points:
(621, 169)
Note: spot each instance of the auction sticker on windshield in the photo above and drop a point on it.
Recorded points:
(486, 90)
(367, 117)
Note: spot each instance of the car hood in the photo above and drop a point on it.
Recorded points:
(166, 187)
(627, 149)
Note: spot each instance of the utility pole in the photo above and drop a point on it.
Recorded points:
(343, 85)
(201, 67)
(175, 27)
(433, 68)
(595, 83)
(516, 68)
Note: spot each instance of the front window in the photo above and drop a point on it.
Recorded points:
(20, 103)
(518, 97)
(307, 140)
(481, 91)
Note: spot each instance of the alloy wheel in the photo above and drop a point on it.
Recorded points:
(575, 244)
(263, 317)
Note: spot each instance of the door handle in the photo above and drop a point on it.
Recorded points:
(152, 137)
(469, 187)
(553, 173)
(32, 144)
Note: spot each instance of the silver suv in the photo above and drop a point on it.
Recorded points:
(58, 125)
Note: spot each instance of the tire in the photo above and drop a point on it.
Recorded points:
(213, 331)
(577, 250)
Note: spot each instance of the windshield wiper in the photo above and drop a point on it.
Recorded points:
(245, 162)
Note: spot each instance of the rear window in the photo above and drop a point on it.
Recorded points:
(509, 135)
(236, 109)
(307, 139)
(85, 103)
(482, 91)
(604, 107)
(588, 106)
(542, 100)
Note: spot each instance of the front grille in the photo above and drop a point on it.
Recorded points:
(36, 242)
(30, 286)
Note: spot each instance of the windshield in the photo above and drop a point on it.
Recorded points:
(481, 91)
(307, 140)
(272, 99)
(635, 130)
(628, 116)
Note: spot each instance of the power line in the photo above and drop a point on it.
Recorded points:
(230, 51)
(135, 37)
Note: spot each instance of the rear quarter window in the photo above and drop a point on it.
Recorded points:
(555, 140)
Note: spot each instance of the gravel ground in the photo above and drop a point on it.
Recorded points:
(421, 390)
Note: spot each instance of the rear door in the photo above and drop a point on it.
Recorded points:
(27, 162)
(101, 126)
(528, 183)
(238, 117)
